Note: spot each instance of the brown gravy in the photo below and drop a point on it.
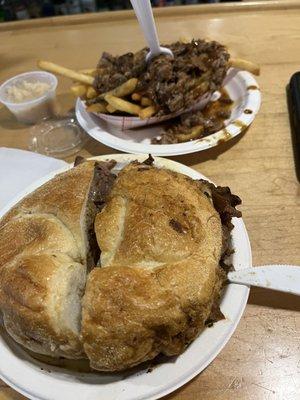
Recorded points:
(240, 124)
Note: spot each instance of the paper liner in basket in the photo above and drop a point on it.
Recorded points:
(127, 122)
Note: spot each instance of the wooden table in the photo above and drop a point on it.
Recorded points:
(262, 359)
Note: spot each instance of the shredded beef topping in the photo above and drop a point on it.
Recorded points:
(224, 202)
(172, 84)
(197, 124)
(104, 180)
(101, 187)
(215, 315)
(79, 160)
(149, 160)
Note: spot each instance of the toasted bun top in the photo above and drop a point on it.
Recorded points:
(160, 239)
(155, 216)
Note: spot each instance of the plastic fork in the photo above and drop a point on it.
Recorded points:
(144, 14)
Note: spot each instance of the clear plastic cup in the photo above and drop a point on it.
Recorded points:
(31, 111)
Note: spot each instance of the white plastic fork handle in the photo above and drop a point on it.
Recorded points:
(285, 278)
(144, 14)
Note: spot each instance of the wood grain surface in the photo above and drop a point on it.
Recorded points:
(262, 359)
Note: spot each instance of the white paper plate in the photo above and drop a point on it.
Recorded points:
(41, 381)
(241, 87)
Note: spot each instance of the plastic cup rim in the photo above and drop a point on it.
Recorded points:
(33, 101)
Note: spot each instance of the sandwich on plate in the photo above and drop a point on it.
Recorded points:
(114, 268)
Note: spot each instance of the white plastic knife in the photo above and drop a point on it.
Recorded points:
(285, 278)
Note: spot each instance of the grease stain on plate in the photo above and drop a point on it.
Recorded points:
(240, 124)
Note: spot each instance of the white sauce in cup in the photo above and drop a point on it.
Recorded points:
(30, 96)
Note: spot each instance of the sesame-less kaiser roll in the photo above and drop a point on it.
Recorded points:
(44, 253)
(160, 239)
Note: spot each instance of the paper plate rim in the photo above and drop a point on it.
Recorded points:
(28, 383)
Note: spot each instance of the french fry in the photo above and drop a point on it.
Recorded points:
(88, 71)
(110, 108)
(69, 73)
(123, 105)
(244, 65)
(78, 90)
(146, 102)
(91, 93)
(193, 134)
(147, 112)
(97, 108)
(136, 96)
(125, 89)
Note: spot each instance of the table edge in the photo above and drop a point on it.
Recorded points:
(112, 16)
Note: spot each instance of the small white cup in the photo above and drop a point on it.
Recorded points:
(31, 111)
